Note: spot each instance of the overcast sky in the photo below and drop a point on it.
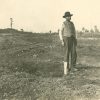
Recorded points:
(45, 15)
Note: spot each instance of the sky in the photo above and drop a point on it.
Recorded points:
(46, 15)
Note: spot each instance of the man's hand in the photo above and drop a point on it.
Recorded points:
(62, 42)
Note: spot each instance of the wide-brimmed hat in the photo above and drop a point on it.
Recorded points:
(67, 14)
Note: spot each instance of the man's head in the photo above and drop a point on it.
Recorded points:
(67, 16)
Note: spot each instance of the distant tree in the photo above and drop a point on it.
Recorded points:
(58, 30)
(91, 31)
(79, 33)
(50, 31)
(86, 30)
(96, 29)
(22, 30)
(83, 29)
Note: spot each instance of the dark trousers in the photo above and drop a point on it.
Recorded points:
(70, 54)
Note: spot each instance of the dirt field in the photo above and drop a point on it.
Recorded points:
(31, 68)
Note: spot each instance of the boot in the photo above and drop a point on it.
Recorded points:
(65, 68)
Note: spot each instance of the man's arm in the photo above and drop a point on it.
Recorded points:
(61, 35)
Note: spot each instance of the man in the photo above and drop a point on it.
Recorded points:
(68, 39)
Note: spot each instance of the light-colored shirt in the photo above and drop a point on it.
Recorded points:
(68, 29)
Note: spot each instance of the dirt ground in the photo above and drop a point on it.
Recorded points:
(31, 68)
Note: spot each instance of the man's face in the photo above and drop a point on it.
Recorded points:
(68, 18)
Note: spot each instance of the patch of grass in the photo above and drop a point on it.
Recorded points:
(31, 68)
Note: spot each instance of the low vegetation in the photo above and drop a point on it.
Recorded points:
(31, 68)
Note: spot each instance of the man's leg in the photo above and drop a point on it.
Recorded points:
(69, 53)
(65, 68)
(69, 62)
(73, 55)
(66, 55)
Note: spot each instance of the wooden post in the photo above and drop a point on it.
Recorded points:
(11, 22)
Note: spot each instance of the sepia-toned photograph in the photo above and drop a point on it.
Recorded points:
(50, 50)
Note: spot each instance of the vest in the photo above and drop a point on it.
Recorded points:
(68, 29)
